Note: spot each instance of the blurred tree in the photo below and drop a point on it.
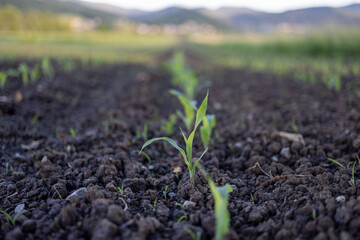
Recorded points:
(10, 19)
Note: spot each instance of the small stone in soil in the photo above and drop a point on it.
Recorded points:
(189, 204)
(285, 152)
(19, 208)
(341, 199)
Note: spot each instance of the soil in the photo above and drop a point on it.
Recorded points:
(68, 183)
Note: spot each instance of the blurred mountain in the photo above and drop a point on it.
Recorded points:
(62, 7)
(223, 19)
(178, 15)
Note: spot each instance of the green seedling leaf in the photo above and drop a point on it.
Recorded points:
(23, 69)
(189, 108)
(3, 78)
(35, 73)
(183, 217)
(222, 215)
(209, 123)
(169, 140)
(336, 162)
(187, 156)
(192, 234)
(47, 68)
(9, 218)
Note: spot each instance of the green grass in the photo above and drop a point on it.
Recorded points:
(102, 46)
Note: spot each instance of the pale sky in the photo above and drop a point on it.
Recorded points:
(264, 5)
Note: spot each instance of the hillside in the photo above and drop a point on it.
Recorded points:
(62, 7)
(224, 19)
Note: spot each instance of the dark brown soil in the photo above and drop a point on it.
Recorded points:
(69, 184)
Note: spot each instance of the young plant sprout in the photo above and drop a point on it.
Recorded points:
(121, 189)
(269, 175)
(165, 191)
(73, 132)
(187, 154)
(23, 68)
(221, 199)
(209, 123)
(58, 193)
(35, 73)
(189, 109)
(192, 234)
(252, 198)
(222, 215)
(179, 204)
(168, 125)
(47, 68)
(10, 219)
(294, 125)
(314, 214)
(154, 204)
(146, 156)
(183, 217)
(336, 162)
(3, 78)
(177, 65)
(182, 76)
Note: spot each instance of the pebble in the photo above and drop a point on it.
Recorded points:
(275, 158)
(19, 208)
(77, 193)
(341, 199)
(172, 194)
(285, 152)
(189, 204)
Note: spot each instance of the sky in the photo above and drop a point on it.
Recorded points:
(263, 5)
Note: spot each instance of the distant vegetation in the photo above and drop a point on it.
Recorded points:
(12, 19)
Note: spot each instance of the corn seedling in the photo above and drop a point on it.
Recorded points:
(58, 193)
(168, 125)
(187, 154)
(8, 168)
(209, 123)
(142, 134)
(146, 156)
(294, 125)
(34, 119)
(192, 234)
(35, 73)
(252, 199)
(3, 78)
(154, 205)
(189, 109)
(221, 199)
(10, 219)
(24, 69)
(314, 214)
(68, 65)
(179, 205)
(267, 174)
(47, 68)
(73, 132)
(13, 73)
(183, 217)
(177, 65)
(182, 76)
(165, 191)
(121, 189)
